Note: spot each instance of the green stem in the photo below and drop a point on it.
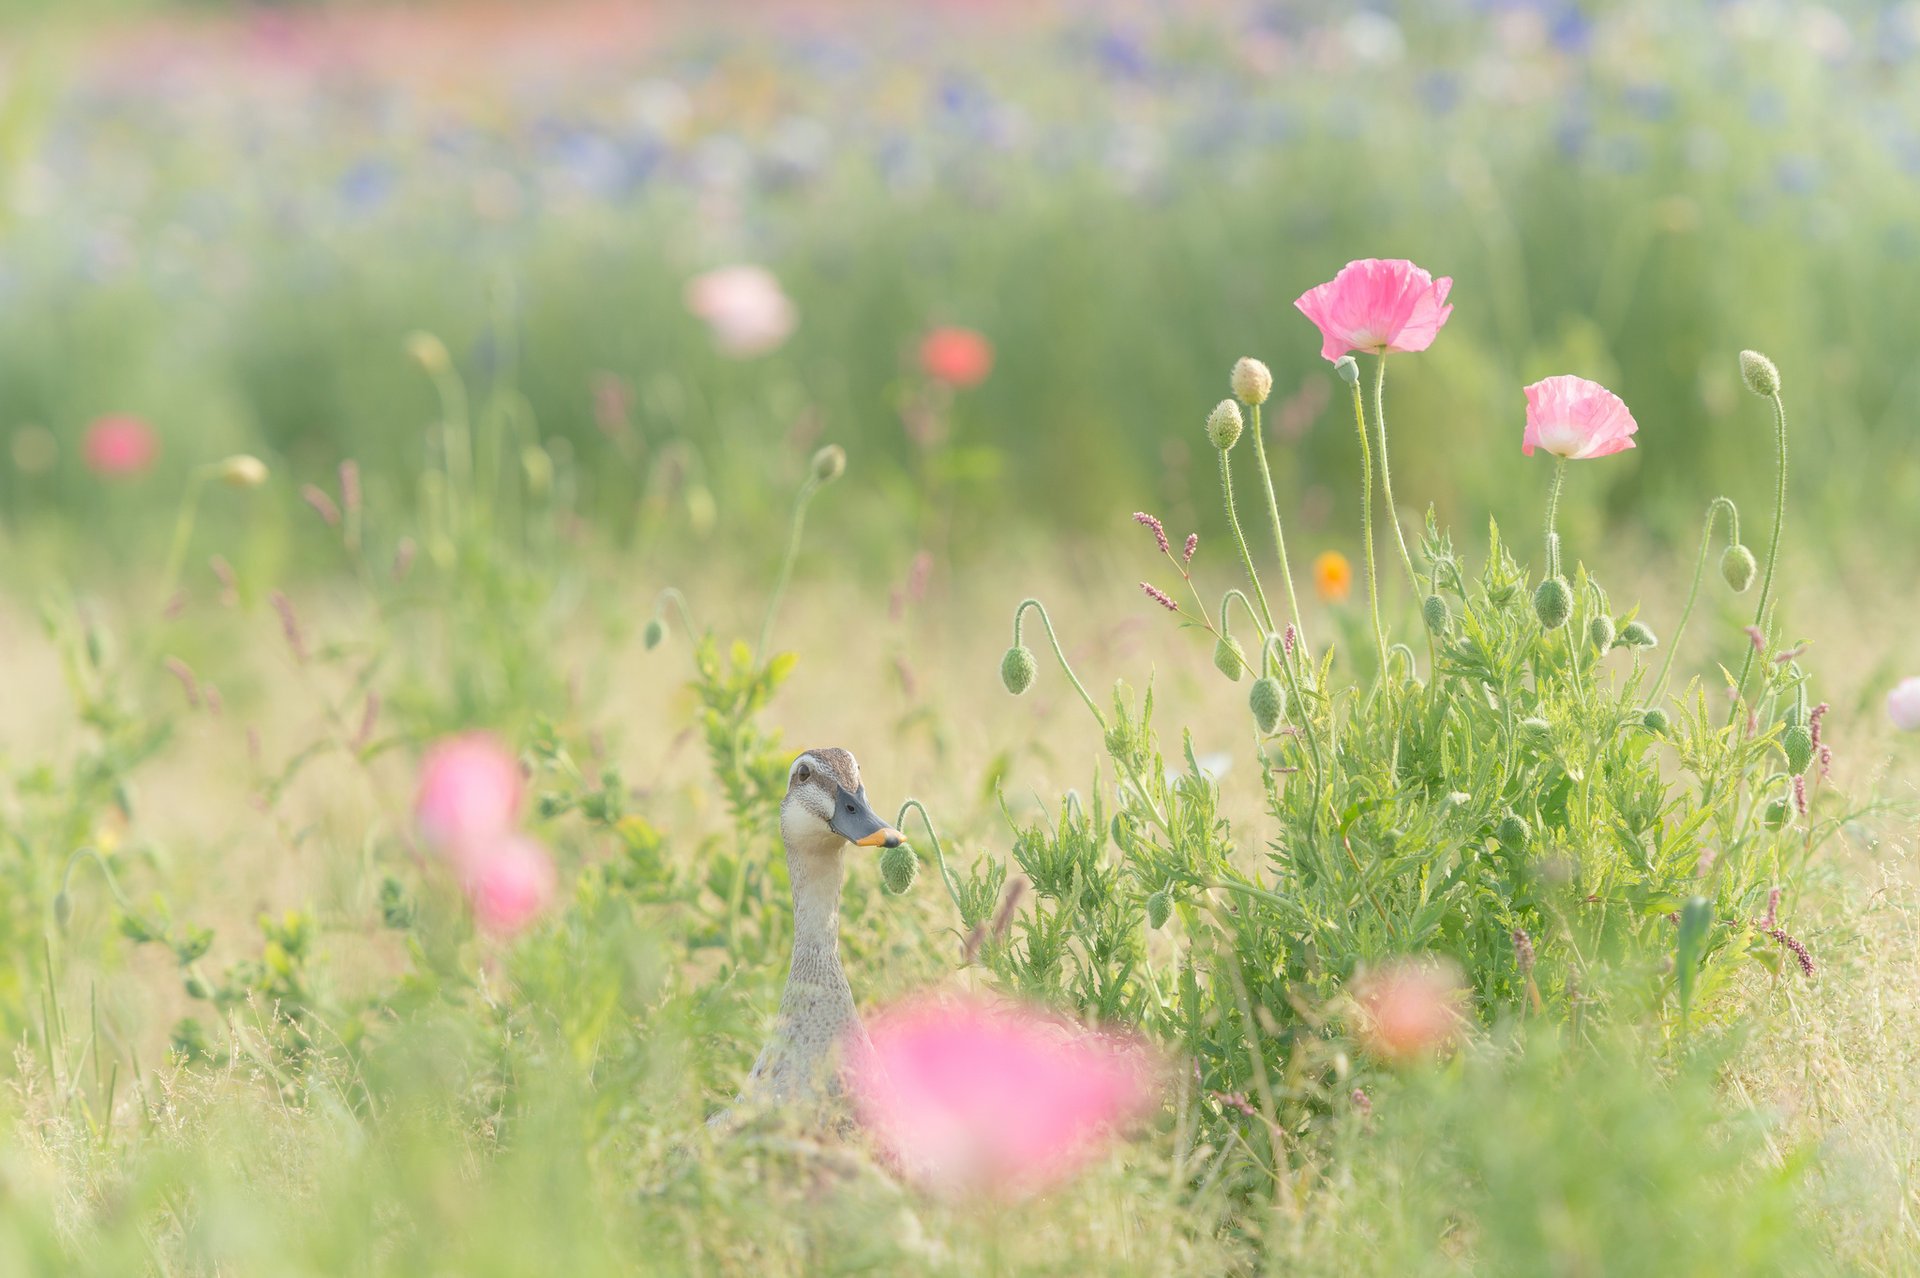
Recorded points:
(1773, 549)
(1239, 538)
(672, 595)
(1386, 472)
(1366, 525)
(106, 873)
(1279, 536)
(1226, 601)
(807, 490)
(182, 533)
(1714, 508)
(1553, 515)
(939, 853)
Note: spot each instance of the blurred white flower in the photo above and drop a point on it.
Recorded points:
(744, 307)
(1903, 705)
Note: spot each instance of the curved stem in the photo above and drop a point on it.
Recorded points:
(1366, 525)
(1773, 548)
(1714, 508)
(672, 595)
(1019, 614)
(1273, 514)
(807, 490)
(1386, 474)
(106, 873)
(1239, 538)
(1226, 600)
(939, 853)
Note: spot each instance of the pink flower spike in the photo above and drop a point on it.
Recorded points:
(744, 308)
(120, 446)
(1145, 520)
(971, 1095)
(1903, 705)
(1159, 596)
(1574, 418)
(509, 884)
(1377, 305)
(1193, 544)
(469, 795)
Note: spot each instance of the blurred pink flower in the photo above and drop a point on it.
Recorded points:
(975, 1095)
(744, 308)
(468, 796)
(120, 445)
(1410, 1009)
(959, 357)
(509, 883)
(1377, 305)
(1575, 418)
(1903, 705)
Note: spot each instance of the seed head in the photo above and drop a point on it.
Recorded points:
(1761, 377)
(1553, 602)
(1738, 567)
(898, 868)
(1348, 369)
(1159, 908)
(1435, 613)
(1224, 425)
(1229, 657)
(829, 464)
(243, 470)
(1252, 381)
(1017, 669)
(1637, 634)
(1600, 632)
(1267, 701)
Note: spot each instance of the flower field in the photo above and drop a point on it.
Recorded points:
(964, 639)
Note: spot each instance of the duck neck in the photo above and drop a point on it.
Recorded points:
(816, 874)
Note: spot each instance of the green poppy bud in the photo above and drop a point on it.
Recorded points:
(1637, 634)
(1758, 372)
(1536, 727)
(1600, 632)
(197, 988)
(655, 634)
(1655, 721)
(1553, 602)
(1349, 370)
(1017, 669)
(1159, 907)
(1434, 611)
(1737, 566)
(1224, 425)
(1230, 657)
(1266, 701)
(1776, 814)
(1797, 744)
(1512, 832)
(829, 464)
(898, 868)
(1252, 381)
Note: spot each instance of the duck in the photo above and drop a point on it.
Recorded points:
(825, 811)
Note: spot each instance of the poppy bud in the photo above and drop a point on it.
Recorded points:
(1512, 832)
(1761, 377)
(1348, 369)
(1537, 726)
(1159, 907)
(1797, 745)
(898, 867)
(429, 352)
(829, 464)
(1230, 657)
(1017, 669)
(1224, 425)
(1266, 701)
(1738, 567)
(1776, 814)
(655, 634)
(1435, 613)
(1252, 381)
(1600, 632)
(1553, 602)
(1655, 721)
(243, 471)
(1637, 634)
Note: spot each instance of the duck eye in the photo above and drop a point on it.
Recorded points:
(801, 774)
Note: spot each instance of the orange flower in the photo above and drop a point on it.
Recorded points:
(1411, 1009)
(1332, 575)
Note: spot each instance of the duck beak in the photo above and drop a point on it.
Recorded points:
(854, 821)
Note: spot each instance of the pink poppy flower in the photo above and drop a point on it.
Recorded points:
(959, 357)
(1903, 705)
(1575, 418)
(1410, 1009)
(509, 883)
(974, 1095)
(120, 445)
(1377, 305)
(744, 308)
(469, 794)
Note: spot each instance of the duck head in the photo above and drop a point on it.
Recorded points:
(826, 806)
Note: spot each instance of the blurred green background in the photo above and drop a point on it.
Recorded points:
(226, 219)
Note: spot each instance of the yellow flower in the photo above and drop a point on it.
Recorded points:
(1332, 576)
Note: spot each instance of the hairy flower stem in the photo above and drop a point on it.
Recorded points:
(1240, 539)
(939, 853)
(1366, 526)
(1553, 516)
(807, 490)
(1773, 549)
(1386, 472)
(1699, 567)
(672, 595)
(1279, 537)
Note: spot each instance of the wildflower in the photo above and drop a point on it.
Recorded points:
(1903, 705)
(1145, 520)
(1159, 596)
(1332, 576)
(971, 1095)
(1362, 1102)
(1378, 306)
(1252, 381)
(1224, 425)
(469, 794)
(1574, 418)
(243, 471)
(1759, 373)
(744, 309)
(1410, 1010)
(1193, 544)
(959, 357)
(1813, 723)
(350, 487)
(120, 446)
(321, 503)
(1757, 638)
(289, 625)
(189, 685)
(1800, 795)
(509, 883)
(1523, 949)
